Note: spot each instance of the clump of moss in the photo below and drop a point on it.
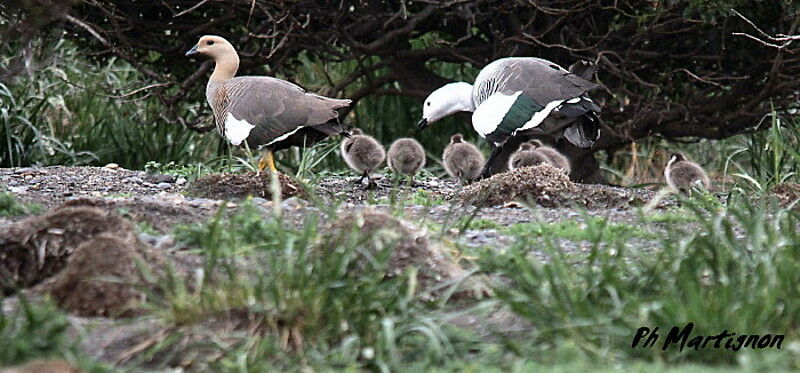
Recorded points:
(10, 206)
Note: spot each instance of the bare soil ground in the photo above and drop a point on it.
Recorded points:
(157, 203)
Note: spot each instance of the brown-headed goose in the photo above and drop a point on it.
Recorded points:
(526, 156)
(406, 157)
(262, 112)
(555, 157)
(462, 160)
(683, 175)
(517, 96)
(362, 153)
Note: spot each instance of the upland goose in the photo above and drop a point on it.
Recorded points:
(262, 112)
(555, 157)
(362, 153)
(683, 175)
(521, 96)
(462, 160)
(406, 157)
(527, 156)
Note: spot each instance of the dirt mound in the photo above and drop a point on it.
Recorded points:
(412, 248)
(543, 184)
(786, 193)
(549, 187)
(596, 196)
(43, 366)
(104, 277)
(36, 248)
(236, 186)
(158, 214)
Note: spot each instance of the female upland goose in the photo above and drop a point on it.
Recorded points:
(683, 175)
(520, 96)
(362, 153)
(527, 156)
(555, 157)
(462, 160)
(406, 157)
(262, 112)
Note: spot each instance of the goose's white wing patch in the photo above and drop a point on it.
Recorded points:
(283, 137)
(539, 116)
(489, 114)
(237, 130)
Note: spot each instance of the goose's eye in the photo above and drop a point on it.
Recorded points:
(210, 42)
(428, 103)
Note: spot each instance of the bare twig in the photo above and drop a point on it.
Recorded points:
(780, 41)
(195, 6)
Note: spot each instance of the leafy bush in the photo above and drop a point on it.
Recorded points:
(769, 157)
(72, 112)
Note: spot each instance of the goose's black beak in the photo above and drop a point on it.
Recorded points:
(192, 51)
(422, 124)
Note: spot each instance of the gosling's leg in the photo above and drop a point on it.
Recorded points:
(370, 183)
(364, 175)
(267, 161)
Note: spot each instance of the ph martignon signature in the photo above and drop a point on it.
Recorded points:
(684, 338)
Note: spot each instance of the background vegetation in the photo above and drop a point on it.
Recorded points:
(671, 70)
(81, 85)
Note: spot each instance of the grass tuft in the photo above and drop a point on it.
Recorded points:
(735, 272)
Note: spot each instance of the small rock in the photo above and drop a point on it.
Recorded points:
(164, 185)
(24, 170)
(148, 239)
(112, 166)
(135, 179)
(258, 201)
(164, 242)
(180, 181)
(18, 189)
(293, 203)
(161, 178)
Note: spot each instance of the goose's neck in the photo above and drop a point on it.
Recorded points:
(226, 67)
(464, 100)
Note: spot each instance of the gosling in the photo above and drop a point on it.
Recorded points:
(555, 157)
(683, 175)
(406, 157)
(462, 160)
(363, 154)
(526, 156)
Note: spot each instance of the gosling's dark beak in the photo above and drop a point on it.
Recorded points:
(192, 51)
(422, 124)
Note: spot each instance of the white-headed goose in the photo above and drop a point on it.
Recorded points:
(520, 96)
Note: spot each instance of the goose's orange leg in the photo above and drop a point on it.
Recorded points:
(267, 161)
